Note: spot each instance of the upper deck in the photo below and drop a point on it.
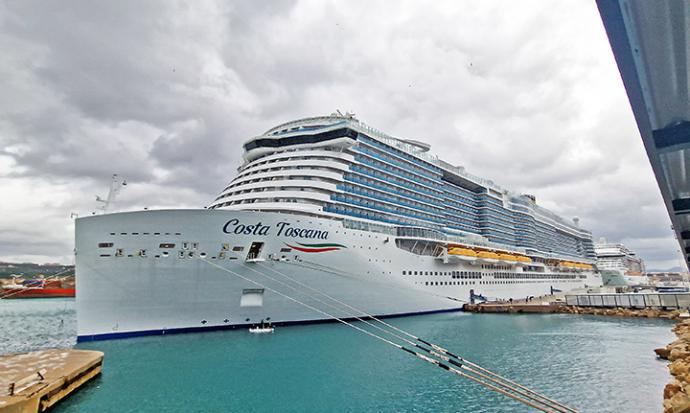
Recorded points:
(337, 166)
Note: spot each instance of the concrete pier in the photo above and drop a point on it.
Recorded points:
(539, 305)
(556, 304)
(33, 382)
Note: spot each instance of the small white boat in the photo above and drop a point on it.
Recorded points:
(260, 330)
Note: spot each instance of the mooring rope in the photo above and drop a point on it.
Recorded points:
(447, 355)
(501, 381)
(522, 397)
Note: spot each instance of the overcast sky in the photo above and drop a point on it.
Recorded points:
(163, 93)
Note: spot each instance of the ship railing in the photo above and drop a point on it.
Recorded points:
(398, 164)
(432, 159)
(469, 241)
(392, 199)
(415, 232)
(344, 209)
(431, 168)
(378, 175)
(378, 207)
(383, 188)
(399, 176)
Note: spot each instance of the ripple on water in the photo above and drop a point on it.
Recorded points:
(34, 324)
(595, 364)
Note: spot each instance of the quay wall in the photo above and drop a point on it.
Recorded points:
(568, 309)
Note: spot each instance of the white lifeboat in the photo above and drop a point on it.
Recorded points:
(261, 329)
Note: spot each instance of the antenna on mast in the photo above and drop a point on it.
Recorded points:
(116, 185)
(347, 115)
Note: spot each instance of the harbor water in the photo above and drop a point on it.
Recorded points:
(594, 364)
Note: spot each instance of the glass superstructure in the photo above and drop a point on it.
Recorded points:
(338, 167)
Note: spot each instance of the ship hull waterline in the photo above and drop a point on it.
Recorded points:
(171, 271)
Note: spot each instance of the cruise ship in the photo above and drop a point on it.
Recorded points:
(323, 204)
(619, 265)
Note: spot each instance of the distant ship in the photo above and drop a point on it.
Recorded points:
(37, 289)
(669, 281)
(331, 204)
(619, 265)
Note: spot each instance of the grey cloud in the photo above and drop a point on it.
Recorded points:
(164, 93)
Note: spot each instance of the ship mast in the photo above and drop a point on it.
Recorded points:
(116, 185)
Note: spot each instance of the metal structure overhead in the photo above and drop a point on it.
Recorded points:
(651, 44)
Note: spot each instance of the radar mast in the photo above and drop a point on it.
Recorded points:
(116, 185)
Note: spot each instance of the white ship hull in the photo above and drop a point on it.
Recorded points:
(131, 280)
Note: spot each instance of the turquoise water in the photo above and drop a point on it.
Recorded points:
(595, 364)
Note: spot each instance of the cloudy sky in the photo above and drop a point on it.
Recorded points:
(163, 93)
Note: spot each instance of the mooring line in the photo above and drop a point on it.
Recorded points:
(488, 375)
(531, 403)
(534, 402)
(497, 378)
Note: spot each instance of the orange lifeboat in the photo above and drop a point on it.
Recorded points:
(487, 256)
(464, 254)
(507, 257)
(522, 258)
(462, 251)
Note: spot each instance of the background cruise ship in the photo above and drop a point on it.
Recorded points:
(619, 265)
(323, 204)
